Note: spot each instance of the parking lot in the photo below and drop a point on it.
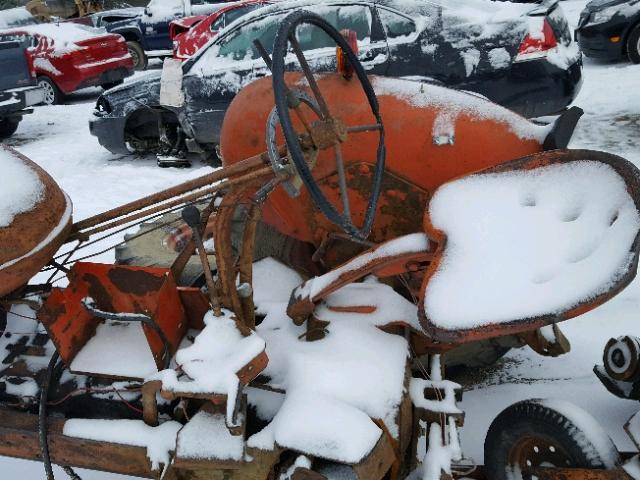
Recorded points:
(57, 138)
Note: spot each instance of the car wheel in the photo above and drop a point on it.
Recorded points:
(138, 55)
(545, 433)
(52, 94)
(8, 126)
(633, 45)
(107, 86)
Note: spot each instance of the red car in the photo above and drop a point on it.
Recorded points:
(67, 57)
(190, 34)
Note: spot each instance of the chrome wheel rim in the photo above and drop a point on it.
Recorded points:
(49, 94)
(135, 57)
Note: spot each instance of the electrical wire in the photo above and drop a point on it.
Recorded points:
(42, 421)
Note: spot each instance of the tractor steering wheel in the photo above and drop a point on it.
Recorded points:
(333, 129)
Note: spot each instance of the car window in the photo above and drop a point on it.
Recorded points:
(218, 23)
(396, 25)
(231, 16)
(349, 17)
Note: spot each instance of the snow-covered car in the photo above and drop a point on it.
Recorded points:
(520, 56)
(15, 17)
(610, 29)
(190, 34)
(68, 57)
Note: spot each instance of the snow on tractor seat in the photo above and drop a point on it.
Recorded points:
(20, 188)
(529, 243)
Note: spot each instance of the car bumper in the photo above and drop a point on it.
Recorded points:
(110, 133)
(99, 73)
(596, 40)
(534, 88)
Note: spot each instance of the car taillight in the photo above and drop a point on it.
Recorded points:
(537, 43)
(30, 66)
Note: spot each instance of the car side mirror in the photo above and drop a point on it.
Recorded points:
(171, 94)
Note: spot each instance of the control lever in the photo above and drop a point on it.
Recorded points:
(191, 215)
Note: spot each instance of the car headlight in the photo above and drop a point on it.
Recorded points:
(102, 106)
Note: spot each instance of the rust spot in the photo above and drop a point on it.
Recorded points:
(136, 282)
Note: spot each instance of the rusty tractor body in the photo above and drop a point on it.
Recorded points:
(350, 166)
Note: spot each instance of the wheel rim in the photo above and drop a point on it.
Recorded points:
(49, 93)
(136, 58)
(537, 451)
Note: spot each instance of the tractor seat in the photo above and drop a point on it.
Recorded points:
(511, 249)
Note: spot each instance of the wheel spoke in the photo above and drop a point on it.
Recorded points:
(309, 76)
(364, 128)
(342, 181)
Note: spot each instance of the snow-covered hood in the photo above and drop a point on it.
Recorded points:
(596, 5)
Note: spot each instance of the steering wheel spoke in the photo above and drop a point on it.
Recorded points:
(342, 182)
(327, 132)
(365, 128)
(309, 76)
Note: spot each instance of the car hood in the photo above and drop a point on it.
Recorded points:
(596, 5)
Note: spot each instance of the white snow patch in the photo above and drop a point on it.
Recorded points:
(447, 99)
(20, 187)
(273, 283)
(159, 441)
(126, 347)
(211, 363)
(528, 243)
(206, 437)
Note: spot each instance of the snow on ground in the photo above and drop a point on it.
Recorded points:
(57, 138)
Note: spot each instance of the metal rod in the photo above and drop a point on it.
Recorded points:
(172, 192)
(169, 204)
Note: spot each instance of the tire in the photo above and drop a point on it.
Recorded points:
(52, 94)
(532, 433)
(8, 127)
(107, 86)
(136, 51)
(633, 45)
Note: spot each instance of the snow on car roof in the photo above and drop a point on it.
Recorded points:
(64, 34)
(15, 17)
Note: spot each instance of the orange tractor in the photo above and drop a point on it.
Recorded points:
(401, 221)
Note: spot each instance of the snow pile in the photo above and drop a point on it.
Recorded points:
(20, 187)
(454, 103)
(211, 363)
(206, 437)
(446, 405)
(159, 441)
(272, 283)
(524, 244)
(334, 386)
(320, 426)
(126, 347)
